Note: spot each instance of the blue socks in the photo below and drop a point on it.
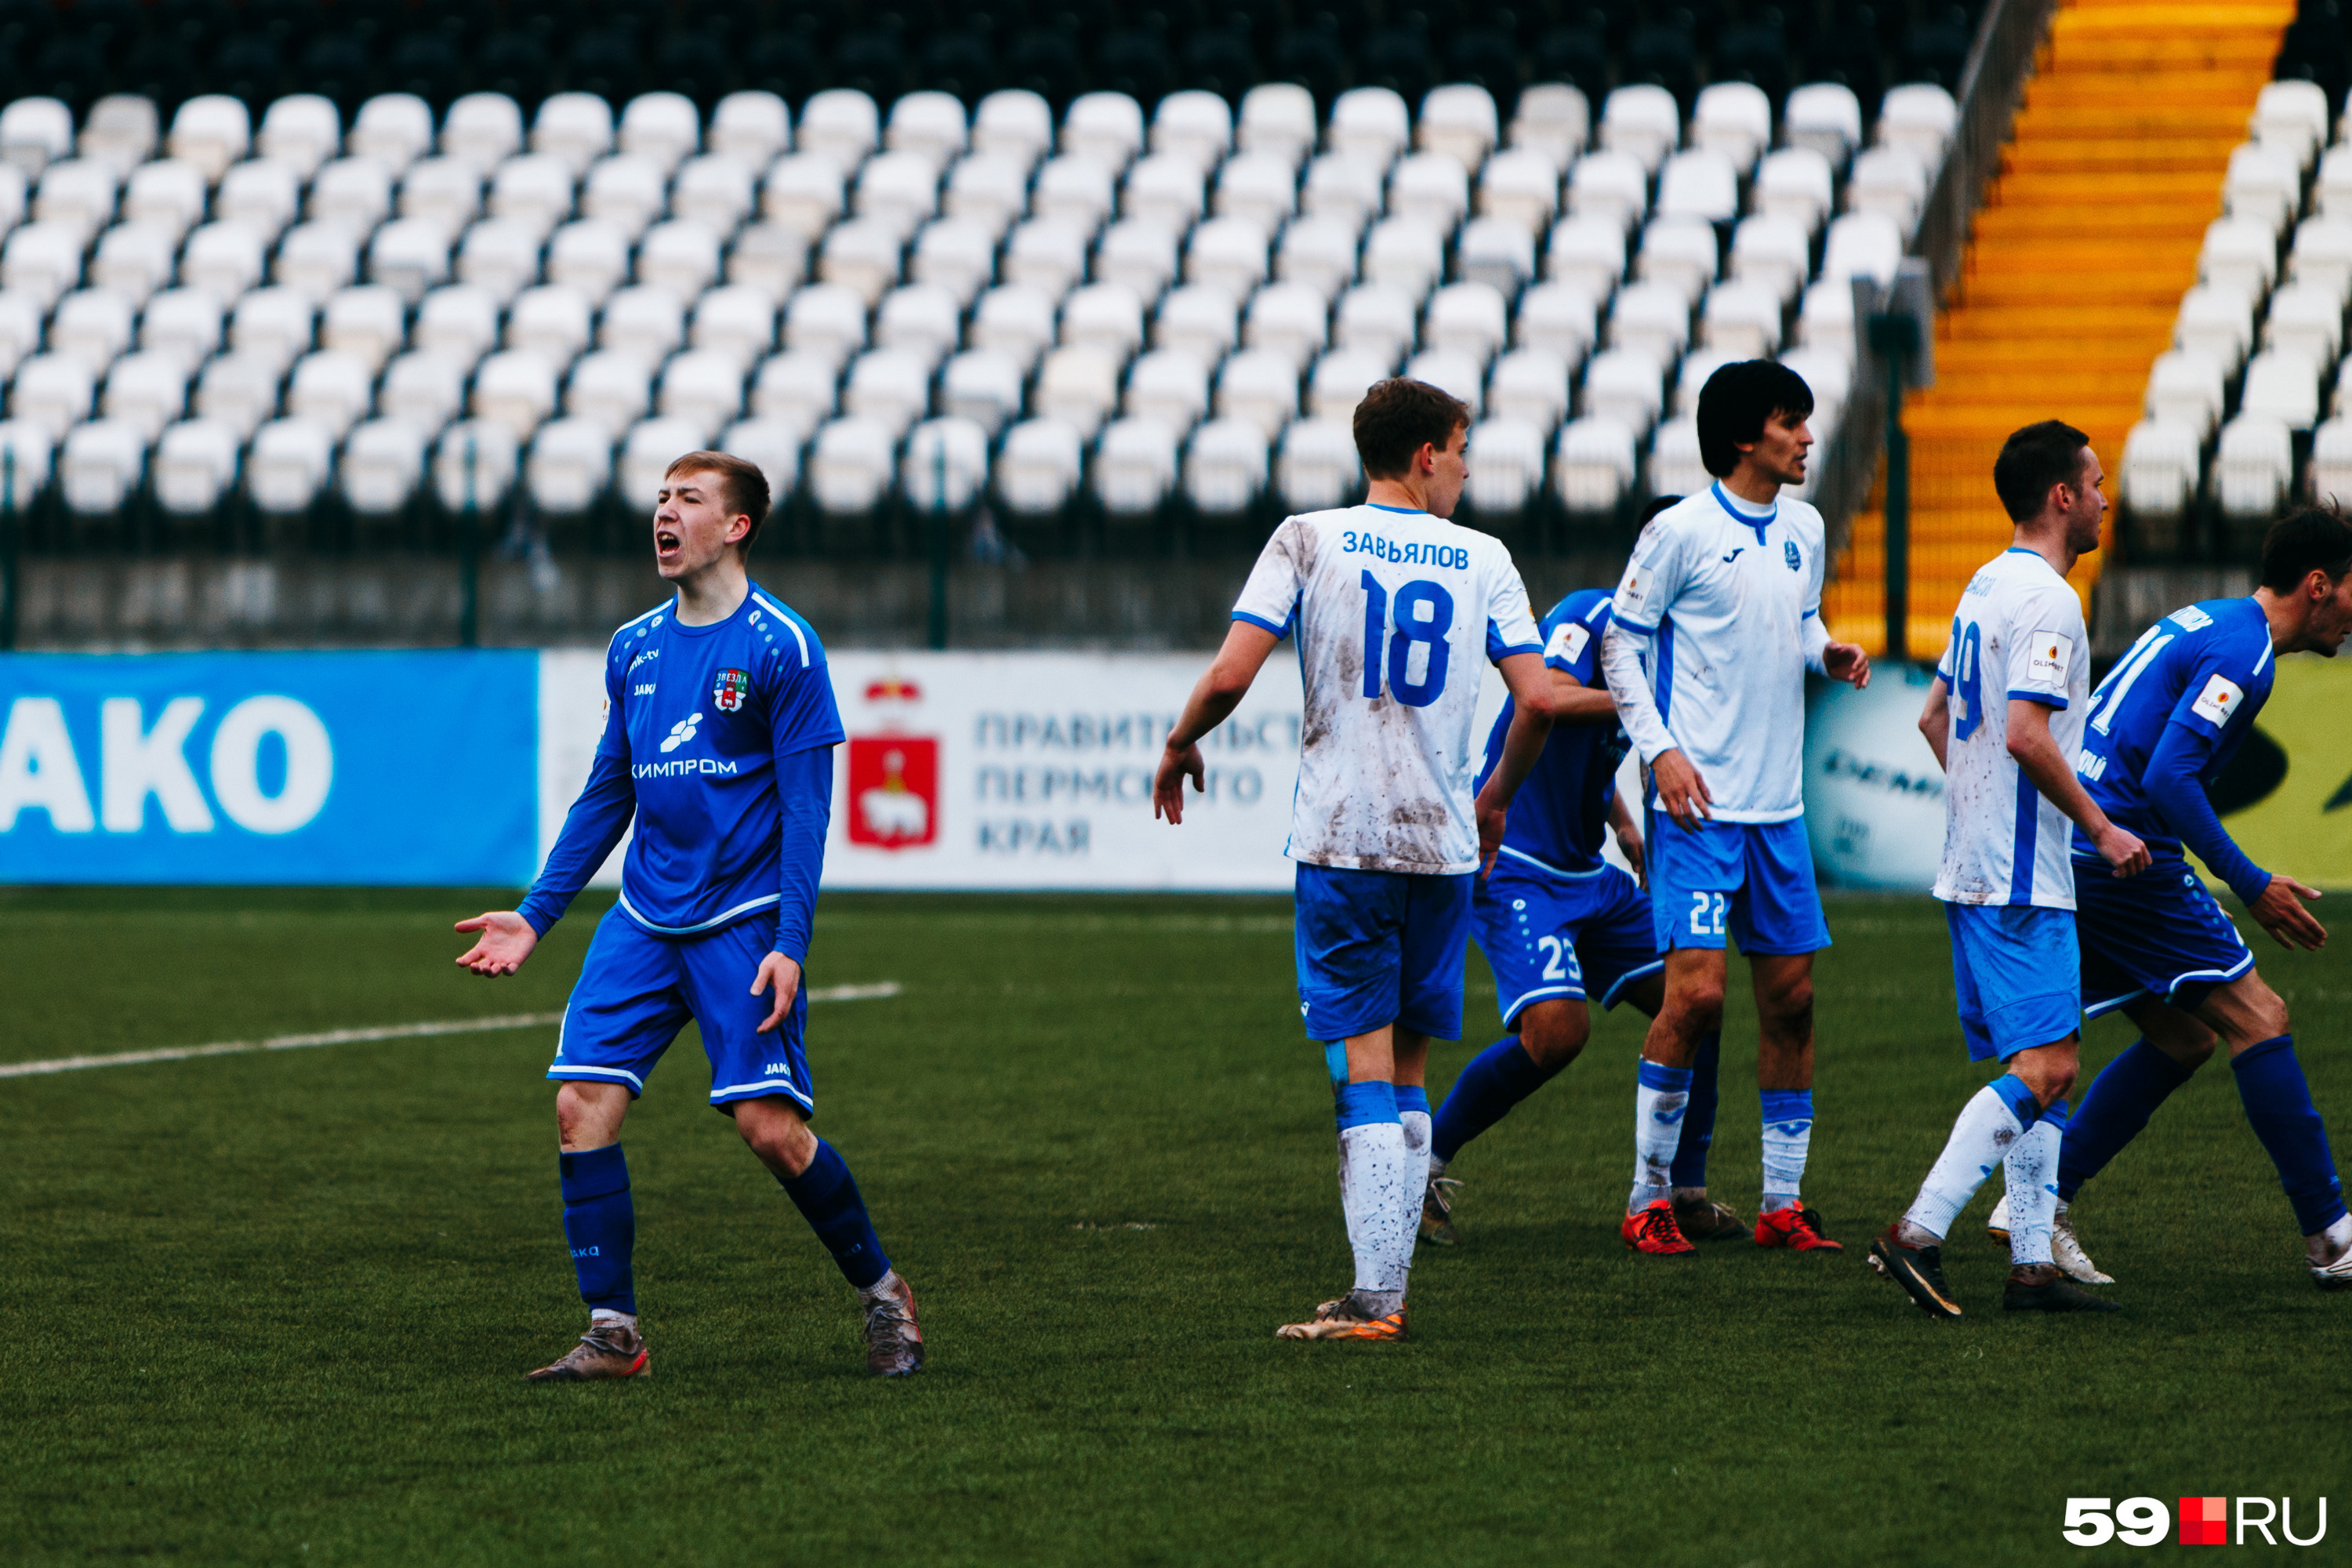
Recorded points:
(1410, 1098)
(1497, 1079)
(2114, 1110)
(827, 1197)
(2278, 1105)
(602, 1226)
(1699, 1121)
(1363, 1104)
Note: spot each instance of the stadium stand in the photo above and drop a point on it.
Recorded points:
(2117, 278)
(1141, 269)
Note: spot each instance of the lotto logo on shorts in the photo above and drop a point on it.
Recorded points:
(2203, 1521)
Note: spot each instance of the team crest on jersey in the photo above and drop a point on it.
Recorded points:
(728, 694)
(1795, 559)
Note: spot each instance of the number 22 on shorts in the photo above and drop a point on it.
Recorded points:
(1706, 914)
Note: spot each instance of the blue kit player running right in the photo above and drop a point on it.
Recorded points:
(1396, 613)
(2005, 719)
(719, 726)
(1561, 926)
(2158, 949)
(1715, 623)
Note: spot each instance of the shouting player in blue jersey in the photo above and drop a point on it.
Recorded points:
(2005, 720)
(2163, 725)
(1396, 612)
(1561, 926)
(719, 726)
(1714, 625)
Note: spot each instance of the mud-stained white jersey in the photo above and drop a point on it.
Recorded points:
(2017, 634)
(1396, 614)
(1727, 597)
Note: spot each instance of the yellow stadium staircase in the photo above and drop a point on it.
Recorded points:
(2086, 239)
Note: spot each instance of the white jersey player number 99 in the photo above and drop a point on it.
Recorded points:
(1424, 614)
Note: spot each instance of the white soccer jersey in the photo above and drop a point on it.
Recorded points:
(1397, 613)
(2018, 633)
(1729, 600)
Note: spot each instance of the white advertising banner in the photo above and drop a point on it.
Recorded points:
(1014, 769)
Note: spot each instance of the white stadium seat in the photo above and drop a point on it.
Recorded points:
(1823, 118)
(900, 190)
(767, 257)
(1497, 253)
(1139, 255)
(514, 390)
(801, 388)
(222, 258)
(1825, 318)
(2218, 321)
(703, 388)
(2291, 114)
(258, 193)
(1675, 467)
(1194, 125)
(1261, 387)
(1226, 465)
(828, 319)
(1592, 465)
(1743, 319)
(713, 192)
(666, 127)
(1165, 190)
(570, 464)
(1013, 124)
(500, 255)
(133, 261)
(1467, 317)
(1432, 189)
(146, 391)
(1016, 321)
(34, 132)
(1227, 254)
(1773, 251)
(354, 193)
(1460, 122)
(840, 125)
(1529, 386)
(315, 259)
(1293, 319)
(2186, 388)
(458, 323)
(1795, 183)
(2253, 465)
(446, 190)
(1889, 181)
(982, 386)
(474, 464)
(1277, 117)
(862, 255)
(945, 466)
(41, 262)
(1045, 255)
(534, 192)
(576, 127)
(392, 130)
(1735, 118)
(2161, 468)
(890, 386)
(2331, 462)
(646, 454)
(774, 446)
(274, 325)
(121, 130)
(1260, 187)
(1376, 318)
(1340, 380)
(647, 324)
(99, 464)
(737, 320)
(193, 466)
(2307, 318)
(630, 191)
(850, 466)
(1078, 387)
(1644, 121)
(1405, 255)
(2282, 385)
(1169, 389)
(1506, 461)
(1106, 127)
(591, 256)
(167, 195)
(237, 390)
(1319, 252)
(990, 189)
(1197, 319)
(423, 391)
(1862, 245)
(1588, 252)
(1699, 184)
(1318, 467)
(92, 326)
(1553, 119)
(1135, 467)
(1652, 319)
(79, 194)
(212, 132)
(929, 125)
(1626, 387)
(1037, 467)
(288, 466)
(1919, 118)
(1370, 125)
(1346, 189)
(1521, 187)
(382, 465)
(682, 257)
(2239, 252)
(1108, 317)
(482, 131)
(408, 256)
(609, 387)
(806, 192)
(20, 332)
(1450, 371)
(551, 321)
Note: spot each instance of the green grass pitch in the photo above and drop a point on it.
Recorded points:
(276, 1308)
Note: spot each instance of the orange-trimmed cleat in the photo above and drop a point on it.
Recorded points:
(1652, 1230)
(607, 1351)
(1347, 1318)
(1798, 1229)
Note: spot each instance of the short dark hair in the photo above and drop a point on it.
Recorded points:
(1658, 504)
(1736, 401)
(1399, 417)
(2033, 460)
(2309, 539)
(742, 488)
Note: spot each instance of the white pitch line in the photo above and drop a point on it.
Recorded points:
(874, 993)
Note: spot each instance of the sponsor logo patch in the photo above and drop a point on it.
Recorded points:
(2218, 700)
(732, 686)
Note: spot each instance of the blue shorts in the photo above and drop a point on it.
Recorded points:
(1756, 879)
(1550, 934)
(636, 991)
(1381, 947)
(2157, 934)
(2014, 968)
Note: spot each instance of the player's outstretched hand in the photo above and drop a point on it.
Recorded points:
(2280, 912)
(2123, 851)
(505, 940)
(1680, 789)
(1847, 661)
(785, 976)
(1629, 842)
(1167, 787)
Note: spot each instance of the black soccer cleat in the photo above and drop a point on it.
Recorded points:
(1919, 1270)
(2041, 1288)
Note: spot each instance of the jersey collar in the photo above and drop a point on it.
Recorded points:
(1732, 507)
(1402, 510)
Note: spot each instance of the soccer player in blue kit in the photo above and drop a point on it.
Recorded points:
(2163, 725)
(1561, 926)
(718, 734)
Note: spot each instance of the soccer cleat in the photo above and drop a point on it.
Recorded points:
(1704, 1219)
(1437, 1213)
(1919, 1270)
(1346, 1318)
(894, 1339)
(2068, 1254)
(1652, 1230)
(605, 1351)
(1798, 1229)
(1997, 1222)
(2336, 1275)
(2040, 1287)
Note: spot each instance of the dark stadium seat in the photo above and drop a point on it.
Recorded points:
(1937, 48)
(2317, 50)
(606, 61)
(249, 65)
(1135, 61)
(960, 62)
(1220, 60)
(1578, 55)
(1664, 53)
(786, 61)
(1490, 56)
(424, 64)
(1399, 57)
(1757, 51)
(871, 60)
(1045, 60)
(1311, 56)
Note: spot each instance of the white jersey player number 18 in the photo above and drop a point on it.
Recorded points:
(1423, 616)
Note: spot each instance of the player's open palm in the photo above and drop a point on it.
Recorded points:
(1168, 786)
(504, 939)
(2280, 912)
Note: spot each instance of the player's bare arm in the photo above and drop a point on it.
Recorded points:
(1213, 699)
(1573, 702)
(1532, 693)
(2038, 756)
(1936, 721)
(504, 941)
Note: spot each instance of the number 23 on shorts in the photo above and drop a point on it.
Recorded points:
(1706, 914)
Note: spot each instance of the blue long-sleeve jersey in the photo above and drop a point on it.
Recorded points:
(1559, 818)
(719, 740)
(2164, 724)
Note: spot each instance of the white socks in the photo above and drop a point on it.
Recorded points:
(602, 1317)
(1383, 1199)
(2329, 1245)
(2030, 1169)
(1661, 1095)
(1980, 1139)
(1416, 1147)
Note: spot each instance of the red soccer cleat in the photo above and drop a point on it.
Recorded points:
(1798, 1229)
(1652, 1230)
